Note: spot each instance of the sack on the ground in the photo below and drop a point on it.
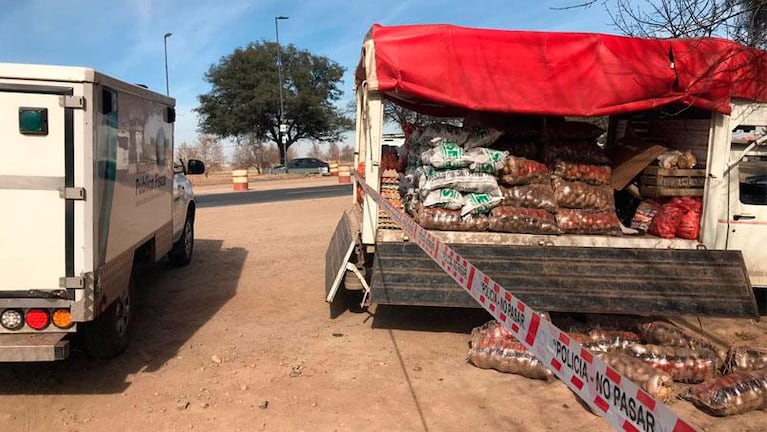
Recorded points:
(736, 393)
(656, 383)
(492, 347)
(683, 364)
(667, 334)
(745, 358)
(614, 339)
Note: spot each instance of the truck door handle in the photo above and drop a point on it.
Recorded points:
(743, 217)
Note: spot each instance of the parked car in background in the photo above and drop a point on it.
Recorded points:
(304, 166)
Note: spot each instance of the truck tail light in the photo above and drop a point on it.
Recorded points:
(12, 319)
(62, 318)
(38, 319)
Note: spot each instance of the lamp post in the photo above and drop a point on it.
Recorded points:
(165, 46)
(281, 128)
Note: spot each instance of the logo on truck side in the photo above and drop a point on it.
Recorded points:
(147, 183)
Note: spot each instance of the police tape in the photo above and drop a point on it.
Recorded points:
(622, 403)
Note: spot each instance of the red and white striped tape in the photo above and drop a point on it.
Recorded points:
(621, 402)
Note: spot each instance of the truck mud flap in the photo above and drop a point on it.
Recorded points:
(33, 347)
(575, 279)
(340, 249)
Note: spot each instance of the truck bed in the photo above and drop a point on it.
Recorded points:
(629, 275)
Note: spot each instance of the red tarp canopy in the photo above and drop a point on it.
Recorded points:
(448, 70)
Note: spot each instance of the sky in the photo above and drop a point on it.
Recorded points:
(124, 38)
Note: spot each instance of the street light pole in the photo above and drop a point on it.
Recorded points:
(165, 46)
(281, 126)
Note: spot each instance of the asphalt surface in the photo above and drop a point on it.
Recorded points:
(256, 197)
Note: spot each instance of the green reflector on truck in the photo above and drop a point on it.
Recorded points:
(33, 121)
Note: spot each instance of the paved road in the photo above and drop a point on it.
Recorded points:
(254, 197)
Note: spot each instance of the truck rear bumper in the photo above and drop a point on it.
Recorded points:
(33, 347)
(575, 279)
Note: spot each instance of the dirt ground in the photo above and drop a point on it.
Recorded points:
(242, 340)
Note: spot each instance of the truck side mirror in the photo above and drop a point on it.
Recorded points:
(170, 115)
(178, 167)
(195, 166)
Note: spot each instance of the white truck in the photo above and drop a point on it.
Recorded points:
(692, 94)
(88, 189)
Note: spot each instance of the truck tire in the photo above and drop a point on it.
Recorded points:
(108, 335)
(181, 254)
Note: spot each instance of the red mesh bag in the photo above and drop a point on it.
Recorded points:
(689, 224)
(666, 221)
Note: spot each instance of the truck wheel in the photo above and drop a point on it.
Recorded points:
(181, 254)
(108, 335)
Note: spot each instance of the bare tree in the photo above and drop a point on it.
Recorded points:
(401, 116)
(211, 151)
(315, 151)
(744, 21)
(347, 153)
(253, 152)
(185, 151)
(272, 155)
(333, 153)
(243, 157)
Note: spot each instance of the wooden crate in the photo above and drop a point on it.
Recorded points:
(663, 182)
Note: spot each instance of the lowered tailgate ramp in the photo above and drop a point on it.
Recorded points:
(340, 250)
(575, 279)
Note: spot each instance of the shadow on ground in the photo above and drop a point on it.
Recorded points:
(171, 305)
(425, 318)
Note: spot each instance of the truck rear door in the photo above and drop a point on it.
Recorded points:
(36, 164)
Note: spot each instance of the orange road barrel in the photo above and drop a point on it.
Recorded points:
(344, 174)
(240, 179)
(333, 168)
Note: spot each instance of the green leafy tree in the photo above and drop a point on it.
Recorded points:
(244, 97)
